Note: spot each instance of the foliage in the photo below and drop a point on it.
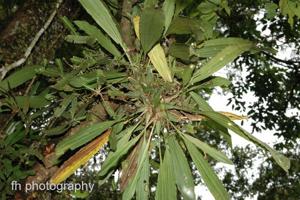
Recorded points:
(152, 98)
(272, 80)
(17, 159)
(275, 83)
(269, 183)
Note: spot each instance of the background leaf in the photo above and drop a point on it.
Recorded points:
(166, 184)
(100, 13)
(209, 177)
(169, 9)
(219, 156)
(183, 175)
(102, 39)
(151, 28)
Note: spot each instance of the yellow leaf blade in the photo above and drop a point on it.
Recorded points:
(79, 158)
(233, 116)
(136, 26)
(195, 117)
(158, 59)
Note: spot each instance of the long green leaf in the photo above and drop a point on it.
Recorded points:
(223, 42)
(19, 77)
(216, 81)
(100, 13)
(83, 136)
(181, 5)
(211, 180)
(211, 47)
(124, 136)
(169, 9)
(57, 130)
(151, 28)
(150, 3)
(203, 105)
(69, 25)
(114, 157)
(219, 156)
(166, 184)
(142, 188)
(181, 51)
(183, 175)
(221, 130)
(157, 55)
(102, 39)
(28, 101)
(63, 106)
(225, 56)
(281, 160)
(183, 26)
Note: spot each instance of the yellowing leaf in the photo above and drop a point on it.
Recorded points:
(233, 116)
(136, 22)
(157, 55)
(196, 117)
(79, 158)
(158, 58)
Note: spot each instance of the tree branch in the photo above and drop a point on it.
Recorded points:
(288, 62)
(5, 69)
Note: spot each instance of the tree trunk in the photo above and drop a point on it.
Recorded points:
(26, 22)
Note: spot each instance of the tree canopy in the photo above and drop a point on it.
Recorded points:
(132, 78)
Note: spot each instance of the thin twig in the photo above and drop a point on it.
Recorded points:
(288, 62)
(5, 69)
(29, 86)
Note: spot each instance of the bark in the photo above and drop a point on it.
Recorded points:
(126, 26)
(15, 38)
(27, 21)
